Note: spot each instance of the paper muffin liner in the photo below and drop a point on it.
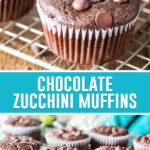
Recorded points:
(85, 46)
(81, 144)
(139, 146)
(33, 131)
(13, 9)
(109, 140)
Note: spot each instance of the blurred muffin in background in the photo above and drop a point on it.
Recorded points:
(13, 9)
(69, 137)
(19, 143)
(142, 142)
(22, 126)
(109, 136)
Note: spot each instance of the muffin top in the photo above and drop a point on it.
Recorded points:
(114, 148)
(145, 139)
(97, 14)
(111, 131)
(61, 148)
(23, 121)
(19, 143)
(71, 134)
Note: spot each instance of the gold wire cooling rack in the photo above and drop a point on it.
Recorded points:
(17, 36)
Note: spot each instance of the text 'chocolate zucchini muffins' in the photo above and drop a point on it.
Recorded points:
(19, 143)
(68, 137)
(22, 126)
(88, 31)
(13, 9)
(109, 136)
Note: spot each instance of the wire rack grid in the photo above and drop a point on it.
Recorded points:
(28, 30)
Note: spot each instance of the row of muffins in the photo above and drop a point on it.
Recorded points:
(22, 130)
(81, 31)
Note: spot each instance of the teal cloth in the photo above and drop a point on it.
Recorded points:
(137, 125)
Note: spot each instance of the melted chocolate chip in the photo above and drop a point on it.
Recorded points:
(81, 5)
(103, 20)
(96, 1)
(120, 1)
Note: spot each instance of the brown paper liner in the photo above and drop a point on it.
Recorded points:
(13, 9)
(95, 51)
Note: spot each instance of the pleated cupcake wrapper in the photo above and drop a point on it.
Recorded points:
(13, 9)
(109, 140)
(85, 46)
(13, 130)
(139, 146)
(56, 142)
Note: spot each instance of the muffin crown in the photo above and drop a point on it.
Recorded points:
(71, 134)
(23, 121)
(98, 14)
(114, 131)
(19, 143)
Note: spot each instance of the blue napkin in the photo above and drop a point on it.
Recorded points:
(136, 124)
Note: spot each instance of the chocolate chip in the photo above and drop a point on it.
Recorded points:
(120, 1)
(81, 5)
(27, 68)
(104, 20)
(96, 1)
(36, 49)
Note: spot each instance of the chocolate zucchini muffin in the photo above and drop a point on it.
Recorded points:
(68, 137)
(19, 143)
(142, 142)
(61, 148)
(22, 125)
(109, 136)
(114, 148)
(88, 31)
(13, 9)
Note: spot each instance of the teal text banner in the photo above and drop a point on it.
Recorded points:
(75, 92)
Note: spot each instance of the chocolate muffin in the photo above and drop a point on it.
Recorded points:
(109, 136)
(142, 142)
(69, 137)
(61, 148)
(19, 143)
(13, 9)
(114, 148)
(22, 125)
(88, 31)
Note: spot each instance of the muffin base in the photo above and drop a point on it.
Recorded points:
(95, 144)
(82, 144)
(139, 146)
(32, 131)
(86, 46)
(14, 9)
